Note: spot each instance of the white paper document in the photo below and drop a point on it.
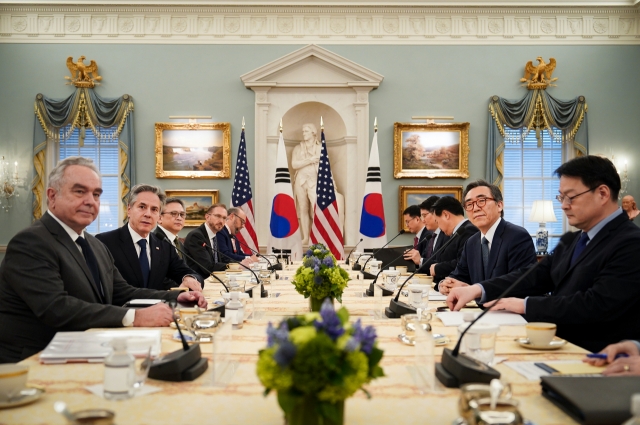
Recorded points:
(95, 346)
(500, 318)
(436, 296)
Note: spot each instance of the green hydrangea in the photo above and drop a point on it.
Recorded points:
(271, 375)
(358, 366)
(317, 279)
(316, 363)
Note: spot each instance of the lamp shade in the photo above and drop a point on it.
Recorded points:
(542, 212)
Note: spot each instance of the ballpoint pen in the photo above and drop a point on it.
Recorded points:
(604, 356)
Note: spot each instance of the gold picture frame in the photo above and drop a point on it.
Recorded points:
(439, 150)
(193, 150)
(415, 195)
(196, 203)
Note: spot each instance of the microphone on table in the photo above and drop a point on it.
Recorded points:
(263, 293)
(402, 232)
(385, 292)
(351, 252)
(192, 259)
(181, 365)
(456, 369)
(271, 266)
(398, 308)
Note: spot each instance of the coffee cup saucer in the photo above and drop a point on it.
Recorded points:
(553, 345)
(26, 396)
(438, 339)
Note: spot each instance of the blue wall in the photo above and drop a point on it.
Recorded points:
(419, 80)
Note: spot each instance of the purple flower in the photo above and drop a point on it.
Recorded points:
(318, 280)
(366, 337)
(352, 344)
(309, 253)
(330, 321)
(285, 353)
(277, 335)
(328, 261)
(316, 269)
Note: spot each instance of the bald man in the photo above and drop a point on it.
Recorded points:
(630, 207)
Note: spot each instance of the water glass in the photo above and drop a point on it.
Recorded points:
(141, 370)
(480, 342)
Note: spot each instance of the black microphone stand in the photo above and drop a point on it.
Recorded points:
(398, 308)
(263, 293)
(351, 252)
(271, 266)
(402, 232)
(385, 292)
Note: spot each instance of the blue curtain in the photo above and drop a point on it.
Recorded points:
(537, 111)
(107, 118)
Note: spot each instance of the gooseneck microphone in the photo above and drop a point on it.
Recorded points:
(263, 293)
(192, 259)
(457, 369)
(385, 292)
(271, 266)
(398, 308)
(402, 232)
(351, 252)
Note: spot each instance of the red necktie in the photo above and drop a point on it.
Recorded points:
(415, 242)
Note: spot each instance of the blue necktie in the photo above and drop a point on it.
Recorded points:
(144, 262)
(580, 246)
(485, 257)
(214, 244)
(92, 263)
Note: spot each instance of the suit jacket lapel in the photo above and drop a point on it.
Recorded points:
(156, 259)
(203, 230)
(495, 247)
(65, 240)
(130, 252)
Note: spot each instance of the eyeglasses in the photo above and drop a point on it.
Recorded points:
(175, 214)
(242, 221)
(481, 202)
(406, 222)
(561, 198)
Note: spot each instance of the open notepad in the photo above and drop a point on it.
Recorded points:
(95, 346)
(500, 318)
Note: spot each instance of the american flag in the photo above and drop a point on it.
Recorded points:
(241, 197)
(325, 227)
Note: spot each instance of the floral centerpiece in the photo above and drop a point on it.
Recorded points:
(316, 361)
(320, 276)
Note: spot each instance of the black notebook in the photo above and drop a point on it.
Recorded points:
(592, 400)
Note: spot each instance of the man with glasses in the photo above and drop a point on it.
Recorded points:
(171, 221)
(202, 243)
(430, 222)
(591, 276)
(413, 222)
(236, 218)
(143, 259)
(499, 248)
(450, 216)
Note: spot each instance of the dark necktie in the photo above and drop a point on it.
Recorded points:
(92, 263)
(144, 262)
(485, 257)
(432, 242)
(178, 246)
(415, 242)
(214, 244)
(580, 246)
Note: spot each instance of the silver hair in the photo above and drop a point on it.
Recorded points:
(139, 188)
(56, 176)
(234, 211)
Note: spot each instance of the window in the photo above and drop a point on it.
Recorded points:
(528, 176)
(104, 152)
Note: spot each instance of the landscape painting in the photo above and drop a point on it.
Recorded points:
(431, 150)
(196, 203)
(193, 150)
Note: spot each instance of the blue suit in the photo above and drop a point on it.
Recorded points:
(230, 248)
(511, 249)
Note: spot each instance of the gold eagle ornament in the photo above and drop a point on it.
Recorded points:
(539, 76)
(83, 75)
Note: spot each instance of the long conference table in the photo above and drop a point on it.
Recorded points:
(395, 398)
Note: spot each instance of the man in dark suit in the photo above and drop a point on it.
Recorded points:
(170, 222)
(451, 221)
(413, 222)
(236, 219)
(142, 259)
(202, 244)
(437, 238)
(499, 248)
(56, 277)
(592, 275)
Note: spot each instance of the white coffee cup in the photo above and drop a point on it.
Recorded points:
(13, 379)
(401, 269)
(540, 333)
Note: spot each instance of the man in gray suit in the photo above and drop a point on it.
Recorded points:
(56, 277)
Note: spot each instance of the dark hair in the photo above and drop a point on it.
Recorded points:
(448, 203)
(140, 188)
(173, 200)
(428, 203)
(495, 191)
(214, 206)
(412, 210)
(593, 171)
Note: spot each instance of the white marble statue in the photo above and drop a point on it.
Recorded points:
(304, 160)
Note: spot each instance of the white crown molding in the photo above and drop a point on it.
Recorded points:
(244, 23)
